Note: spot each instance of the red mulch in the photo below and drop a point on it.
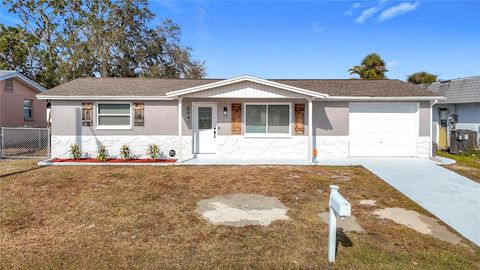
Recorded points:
(115, 160)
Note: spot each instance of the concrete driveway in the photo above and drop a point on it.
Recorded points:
(451, 197)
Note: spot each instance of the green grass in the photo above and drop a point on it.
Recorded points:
(468, 159)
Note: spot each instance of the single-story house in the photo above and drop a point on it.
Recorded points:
(243, 117)
(19, 106)
(461, 109)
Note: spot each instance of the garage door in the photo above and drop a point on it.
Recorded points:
(383, 129)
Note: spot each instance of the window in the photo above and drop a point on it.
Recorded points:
(112, 116)
(27, 109)
(8, 86)
(267, 119)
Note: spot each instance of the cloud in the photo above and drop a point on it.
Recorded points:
(202, 32)
(392, 64)
(170, 5)
(317, 27)
(349, 12)
(397, 10)
(366, 14)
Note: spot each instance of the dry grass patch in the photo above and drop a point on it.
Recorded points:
(9, 166)
(144, 217)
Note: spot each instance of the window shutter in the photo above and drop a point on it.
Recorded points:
(236, 118)
(139, 114)
(299, 119)
(8, 86)
(87, 114)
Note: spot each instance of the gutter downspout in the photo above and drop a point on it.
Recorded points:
(432, 103)
(310, 130)
(180, 143)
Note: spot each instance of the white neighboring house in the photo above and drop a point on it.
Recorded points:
(461, 109)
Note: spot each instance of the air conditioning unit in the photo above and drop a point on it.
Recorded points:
(462, 140)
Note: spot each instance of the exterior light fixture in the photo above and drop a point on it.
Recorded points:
(225, 111)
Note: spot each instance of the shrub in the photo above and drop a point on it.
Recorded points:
(101, 153)
(75, 151)
(153, 151)
(125, 152)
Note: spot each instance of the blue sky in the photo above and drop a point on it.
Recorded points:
(323, 39)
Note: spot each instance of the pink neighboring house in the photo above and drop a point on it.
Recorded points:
(19, 106)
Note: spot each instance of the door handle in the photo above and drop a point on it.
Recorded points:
(214, 133)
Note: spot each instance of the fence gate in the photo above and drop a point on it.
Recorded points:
(25, 143)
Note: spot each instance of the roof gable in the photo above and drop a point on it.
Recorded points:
(246, 86)
(9, 74)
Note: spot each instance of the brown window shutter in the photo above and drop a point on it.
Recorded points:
(139, 114)
(87, 114)
(236, 118)
(299, 119)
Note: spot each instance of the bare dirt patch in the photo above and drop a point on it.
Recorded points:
(345, 224)
(418, 222)
(241, 210)
(368, 202)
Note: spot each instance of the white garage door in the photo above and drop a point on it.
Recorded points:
(383, 129)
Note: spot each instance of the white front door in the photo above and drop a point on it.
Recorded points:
(383, 129)
(205, 128)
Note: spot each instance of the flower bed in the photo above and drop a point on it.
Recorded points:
(114, 160)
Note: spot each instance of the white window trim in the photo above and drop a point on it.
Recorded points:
(268, 135)
(118, 127)
(31, 110)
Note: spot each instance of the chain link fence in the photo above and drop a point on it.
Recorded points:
(25, 143)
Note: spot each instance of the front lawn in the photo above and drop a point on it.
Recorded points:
(144, 217)
(467, 165)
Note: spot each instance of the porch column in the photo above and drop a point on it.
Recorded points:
(310, 130)
(180, 148)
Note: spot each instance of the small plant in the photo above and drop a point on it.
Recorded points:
(75, 151)
(101, 153)
(125, 152)
(153, 151)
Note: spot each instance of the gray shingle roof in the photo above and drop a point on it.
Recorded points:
(158, 87)
(463, 90)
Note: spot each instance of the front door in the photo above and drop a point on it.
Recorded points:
(205, 128)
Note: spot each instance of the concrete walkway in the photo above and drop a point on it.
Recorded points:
(449, 196)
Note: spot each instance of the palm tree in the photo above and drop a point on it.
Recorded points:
(372, 67)
(422, 77)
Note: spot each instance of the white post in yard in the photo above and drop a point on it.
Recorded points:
(180, 143)
(310, 130)
(338, 206)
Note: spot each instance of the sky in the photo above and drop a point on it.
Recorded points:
(323, 39)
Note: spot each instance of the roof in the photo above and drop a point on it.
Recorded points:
(155, 87)
(8, 74)
(462, 90)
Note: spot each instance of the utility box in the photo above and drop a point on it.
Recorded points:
(462, 140)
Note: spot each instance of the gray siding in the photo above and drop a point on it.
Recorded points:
(330, 118)
(160, 119)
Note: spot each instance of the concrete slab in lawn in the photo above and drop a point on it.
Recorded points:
(449, 196)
